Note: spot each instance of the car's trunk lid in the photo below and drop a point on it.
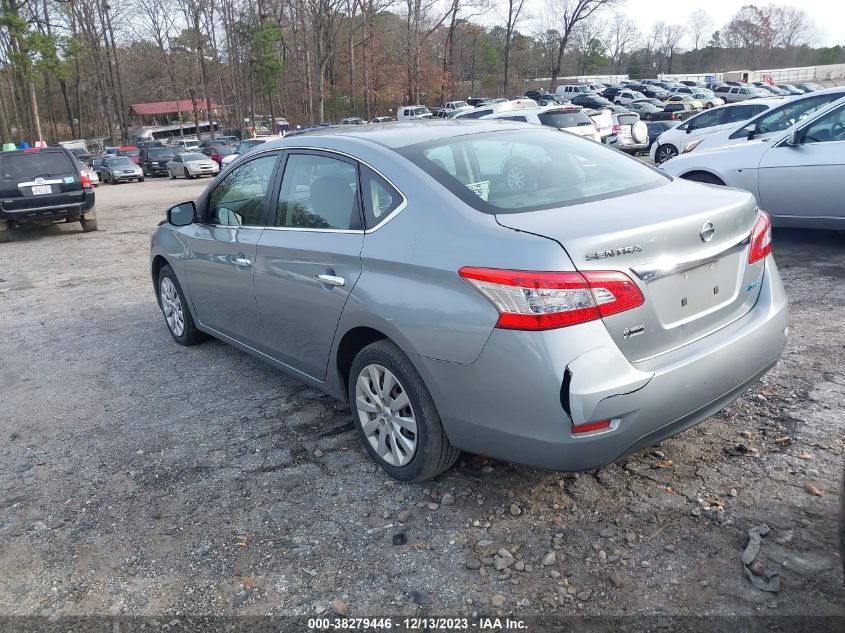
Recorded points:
(692, 287)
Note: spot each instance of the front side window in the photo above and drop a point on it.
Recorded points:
(239, 198)
(524, 170)
(828, 128)
(705, 119)
(318, 192)
(787, 115)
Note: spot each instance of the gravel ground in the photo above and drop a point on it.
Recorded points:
(140, 477)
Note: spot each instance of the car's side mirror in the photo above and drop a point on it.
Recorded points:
(182, 214)
(750, 130)
(794, 138)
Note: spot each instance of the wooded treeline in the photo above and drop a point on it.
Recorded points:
(72, 68)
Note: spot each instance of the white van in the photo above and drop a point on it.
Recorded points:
(570, 90)
(407, 113)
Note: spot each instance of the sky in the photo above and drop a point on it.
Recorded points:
(828, 15)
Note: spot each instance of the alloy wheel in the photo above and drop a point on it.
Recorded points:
(665, 152)
(171, 305)
(516, 178)
(386, 415)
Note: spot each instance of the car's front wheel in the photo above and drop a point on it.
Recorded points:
(395, 415)
(664, 153)
(178, 317)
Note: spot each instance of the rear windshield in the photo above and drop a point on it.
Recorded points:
(188, 158)
(120, 161)
(129, 152)
(513, 171)
(34, 164)
(561, 118)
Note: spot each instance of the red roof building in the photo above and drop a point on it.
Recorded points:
(170, 107)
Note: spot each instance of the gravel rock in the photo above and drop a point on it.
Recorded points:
(433, 506)
(448, 499)
(616, 578)
(340, 607)
(404, 515)
(497, 600)
(472, 563)
(608, 532)
(515, 510)
(549, 559)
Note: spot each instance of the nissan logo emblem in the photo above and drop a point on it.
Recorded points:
(707, 231)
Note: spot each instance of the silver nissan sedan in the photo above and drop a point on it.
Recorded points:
(494, 287)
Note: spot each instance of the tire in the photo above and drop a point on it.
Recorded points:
(112, 180)
(703, 176)
(5, 231)
(664, 153)
(170, 173)
(172, 301)
(431, 453)
(141, 179)
(88, 225)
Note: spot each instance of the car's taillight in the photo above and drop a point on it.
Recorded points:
(85, 180)
(536, 300)
(617, 129)
(761, 237)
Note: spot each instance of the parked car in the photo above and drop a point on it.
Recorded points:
(774, 90)
(536, 95)
(732, 93)
(249, 144)
(186, 144)
(148, 144)
(808, 87)
(644, 109)
(568, 91)
(88, 172)
(545, 98)
(626, 96)
(798, 175)
(443, 113)
(630, 135)
(219, 152)
(712, 85)
(656, 128)
(153, 160)
(705, 97)
(695, 105)
(681, 111)
(692, 84)
(42, 186)
(383, 119)
(192, 165)
(440, 348)
(654, 92)
(131, 152)
(353, 120)
(790, 89)
(406, 113)
(690, 133)
(785, 113)
(457, 105)
(569, 117)
(117, 169)
(590, 100)
(476, 102)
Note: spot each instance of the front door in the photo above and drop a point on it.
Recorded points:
(222, 251)
(807, 180)
(308, 259)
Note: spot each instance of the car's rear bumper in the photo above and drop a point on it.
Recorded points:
(510, 403)
(52, 211)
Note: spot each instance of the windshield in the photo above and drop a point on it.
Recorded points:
(225, 150)
(460, 104)
(419, 111)
(129, 152)
(190, 158)
(513, 171)
(33, 164)
(117, 162)
(159, 154)
(562, 118)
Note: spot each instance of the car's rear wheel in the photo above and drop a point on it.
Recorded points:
(88, 225)
(395, 415)
(178, 317)
(664, 153)
(5, 231)
(703, 176)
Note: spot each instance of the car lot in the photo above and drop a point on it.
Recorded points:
(137, 476)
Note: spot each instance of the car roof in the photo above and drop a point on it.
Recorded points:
(401, 134)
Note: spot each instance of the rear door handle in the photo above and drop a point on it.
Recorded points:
(242, 261)
(330, 280)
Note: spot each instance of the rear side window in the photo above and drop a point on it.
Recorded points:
(318, 192)
(706, 119)
(35, 164)
(792, 112)
(380, 197)
(560, 118)
(519, 118)
(524, 170)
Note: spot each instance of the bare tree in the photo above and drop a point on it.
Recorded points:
(513, 15)
(699, 27)
(565, 15)
(623, 36)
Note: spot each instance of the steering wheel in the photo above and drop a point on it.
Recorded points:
(837, 129)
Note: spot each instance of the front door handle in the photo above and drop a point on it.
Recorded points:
(242, 261)
(330, 280)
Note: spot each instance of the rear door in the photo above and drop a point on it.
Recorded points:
(37, 179)
(808, 180)
(222, 250)
(309, 258)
